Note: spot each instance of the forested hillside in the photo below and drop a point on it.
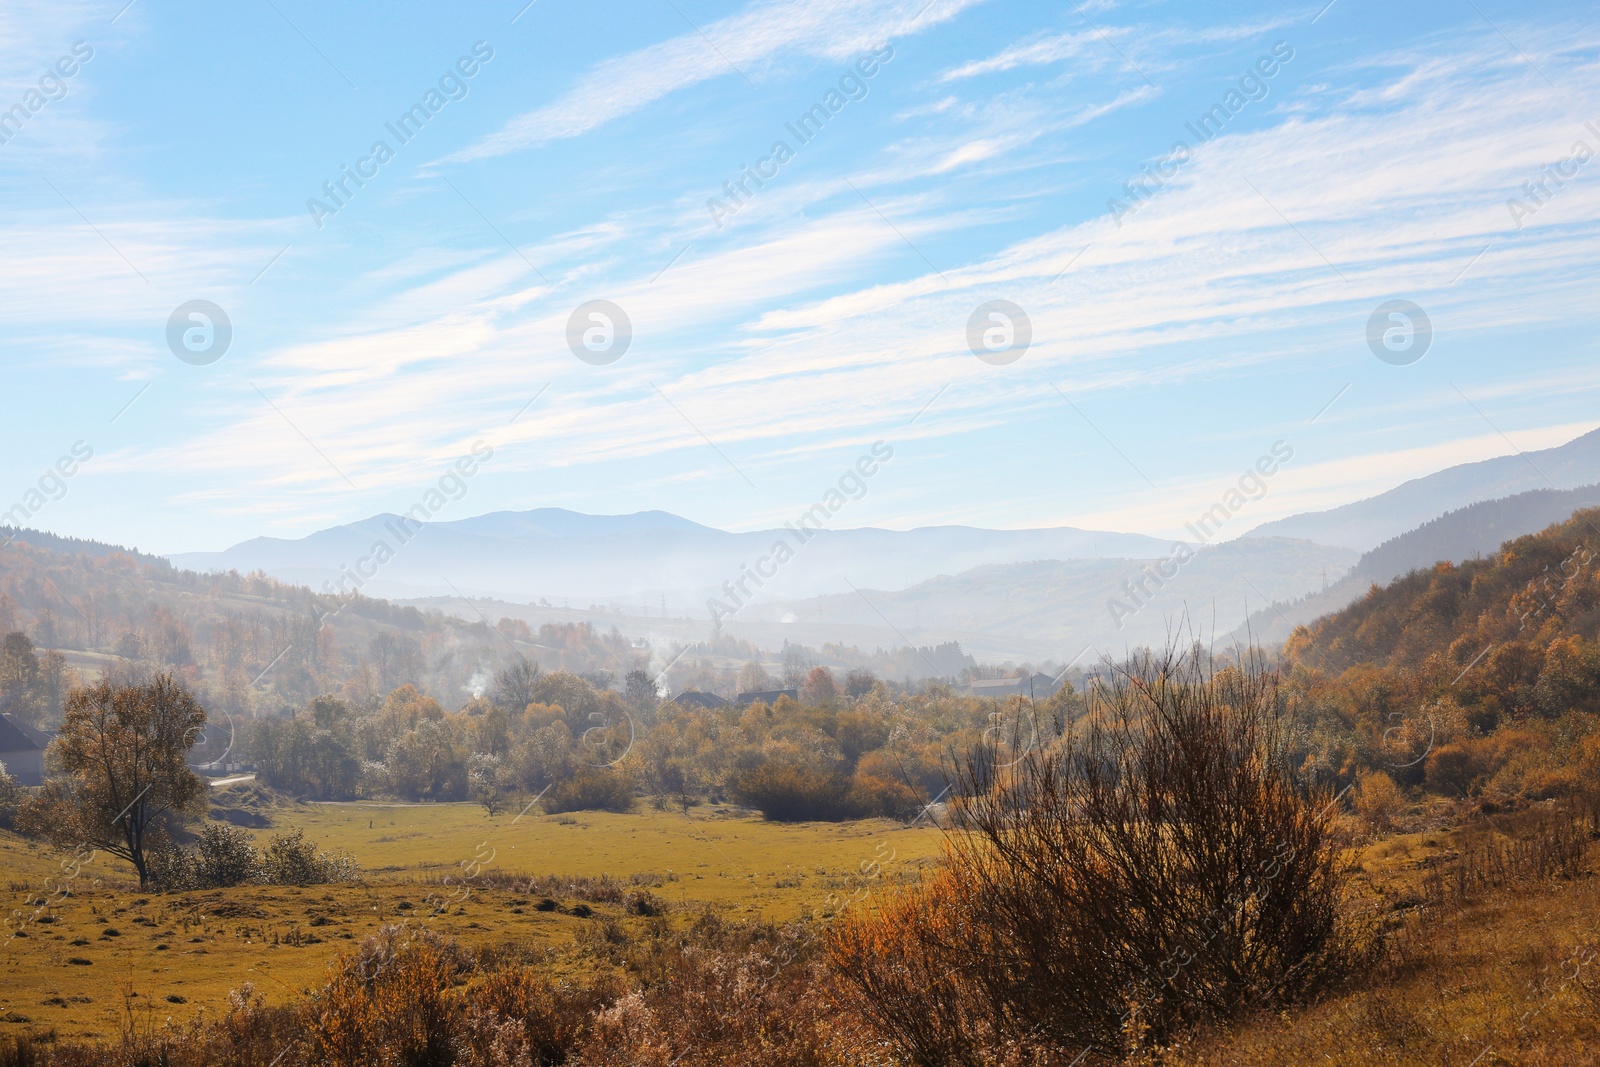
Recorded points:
(1479, 677)
(248, 643)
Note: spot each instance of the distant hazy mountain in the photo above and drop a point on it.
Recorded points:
(557, 554)
(1466, 533)
(1367, 523)
(1057, 607)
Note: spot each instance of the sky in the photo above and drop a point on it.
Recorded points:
(275, 266)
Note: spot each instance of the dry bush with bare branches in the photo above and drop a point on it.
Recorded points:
(1545, 844)
(1154, 867)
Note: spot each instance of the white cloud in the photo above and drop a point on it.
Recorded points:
(1096, 47)
(732, 46)
(1039, 51)
(1399, 186)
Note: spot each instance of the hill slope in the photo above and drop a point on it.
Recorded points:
(1454, 537)
(1365, 524)
(1519, 628)
(1476, 530)
(252, 644)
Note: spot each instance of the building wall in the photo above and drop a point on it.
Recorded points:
(26, 767)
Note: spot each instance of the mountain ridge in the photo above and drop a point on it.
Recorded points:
(554, 552)
(1364, 524)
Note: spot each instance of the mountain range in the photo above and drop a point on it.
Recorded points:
(1039, 593)
(557, 554)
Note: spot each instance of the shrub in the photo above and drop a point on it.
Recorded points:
(871, 795)
(1544, 844)
(592, 789)
(1154, 868)
(721, 1006)
(785, 792)
(1458, 768)
(289, 859)
(224, 856)
(390, 1001)
(897, 957)
(545, 1020)
(19, 1051)
(1377, 801)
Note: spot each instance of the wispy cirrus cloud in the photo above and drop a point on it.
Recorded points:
(736, 46)
(1040, 51)
(1207, 266)
(813, 319)
(1094, 47)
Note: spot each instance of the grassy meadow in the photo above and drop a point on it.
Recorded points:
(108, 954)
(776, 869)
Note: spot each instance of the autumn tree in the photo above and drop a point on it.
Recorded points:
(488, 782)
(19, 671)
(639, 691)
(121, 754)
(514, 684)
(819, 686)
(10, 794)
(31, 686)
(859, 682)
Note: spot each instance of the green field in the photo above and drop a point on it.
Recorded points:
(777, 869)
(80, 965)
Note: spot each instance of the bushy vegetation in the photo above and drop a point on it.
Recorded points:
(1155, 866)
(786, 792)
(1506, 965)
(581, 746)
(32, 687)
(590, 789)
(1478, 681)
(224, 856)
(1159, 866)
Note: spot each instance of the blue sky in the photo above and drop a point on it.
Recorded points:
(775, 339)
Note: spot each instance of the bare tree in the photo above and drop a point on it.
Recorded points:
(753, 678)
(398, 659)
(121, 752)
(795, 665)
(514, 685)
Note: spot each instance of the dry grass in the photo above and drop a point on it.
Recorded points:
(1512, 979)
(197, 946)
(1507, 975)
(1493, 957)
